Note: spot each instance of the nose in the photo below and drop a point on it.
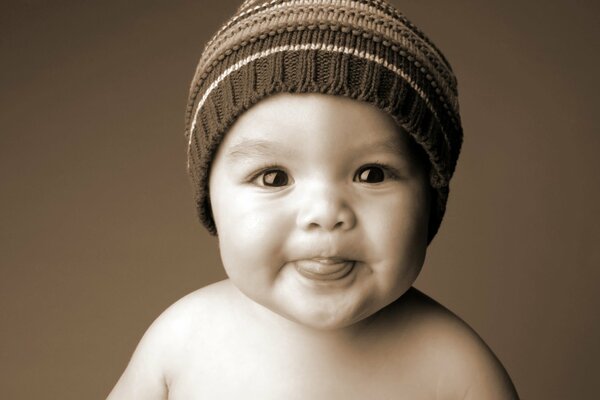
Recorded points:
(325, 209)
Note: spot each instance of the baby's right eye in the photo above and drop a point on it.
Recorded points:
(272, 178)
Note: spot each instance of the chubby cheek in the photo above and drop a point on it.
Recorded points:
(251, 238)
(398, 241)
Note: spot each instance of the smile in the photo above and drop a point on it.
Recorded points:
(324, 269)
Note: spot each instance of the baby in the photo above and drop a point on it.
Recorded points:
(322, 136)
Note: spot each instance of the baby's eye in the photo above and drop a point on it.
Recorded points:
(371, 174)
(273, 178)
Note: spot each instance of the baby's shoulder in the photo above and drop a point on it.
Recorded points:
(195, 318)
(190, 313)
(429, 322)
(464, 364)
(164, 346)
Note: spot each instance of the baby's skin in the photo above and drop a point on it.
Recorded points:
(321, 205)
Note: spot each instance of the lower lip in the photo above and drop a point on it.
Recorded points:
(324, 271)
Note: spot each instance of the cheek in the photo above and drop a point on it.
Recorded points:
(397, 233)
(251, 233)
(407, 227)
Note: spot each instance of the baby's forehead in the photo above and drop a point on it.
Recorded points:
(250, 148)
(311, 120)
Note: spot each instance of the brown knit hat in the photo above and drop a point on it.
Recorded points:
(362, 49)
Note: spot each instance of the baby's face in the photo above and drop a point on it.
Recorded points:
(321, 208)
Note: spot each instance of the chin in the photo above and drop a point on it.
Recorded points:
(329, 318)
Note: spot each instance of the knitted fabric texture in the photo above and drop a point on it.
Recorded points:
(361, 49)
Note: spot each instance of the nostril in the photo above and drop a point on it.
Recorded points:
(346, 219)
(327, 216)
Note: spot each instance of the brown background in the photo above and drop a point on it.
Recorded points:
(97, 227)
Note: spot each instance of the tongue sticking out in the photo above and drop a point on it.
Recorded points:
(324, 269)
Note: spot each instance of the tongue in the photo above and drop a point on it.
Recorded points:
(324, 271)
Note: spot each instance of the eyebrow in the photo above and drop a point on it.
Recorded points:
(256, 148)
(393, 146)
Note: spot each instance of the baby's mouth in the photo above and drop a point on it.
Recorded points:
(324, 269)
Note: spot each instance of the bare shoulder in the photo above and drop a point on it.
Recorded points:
(466, 367)
(162, 348)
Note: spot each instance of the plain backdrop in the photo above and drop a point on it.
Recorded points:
(98, 232)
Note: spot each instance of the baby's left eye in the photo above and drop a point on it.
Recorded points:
(274, 178)
(371, 174)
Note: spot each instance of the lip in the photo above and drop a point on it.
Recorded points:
(324, 268)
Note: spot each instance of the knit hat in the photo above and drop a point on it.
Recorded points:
(362, 49)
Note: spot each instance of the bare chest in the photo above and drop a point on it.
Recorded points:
(327, 387)
(269, 374)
